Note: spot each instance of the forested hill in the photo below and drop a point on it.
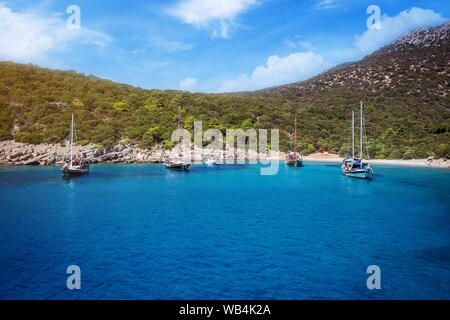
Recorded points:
(404, 87)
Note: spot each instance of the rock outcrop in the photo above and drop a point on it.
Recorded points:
(16, 153)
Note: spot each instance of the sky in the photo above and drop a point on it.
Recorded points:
(205, 45)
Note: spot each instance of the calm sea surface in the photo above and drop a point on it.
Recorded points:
(226, 232)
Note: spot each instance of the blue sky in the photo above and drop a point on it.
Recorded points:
(205, 45)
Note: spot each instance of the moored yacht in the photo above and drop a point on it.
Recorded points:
(357, 167)
(178, 162)
(74, 166)
(209, 161)
(294, 159)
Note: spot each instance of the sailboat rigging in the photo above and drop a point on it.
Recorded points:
(74, 166)
(178, 162)
(352, 166)
(293, 159)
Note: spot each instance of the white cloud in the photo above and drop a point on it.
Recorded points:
(188, 84)
(170, 46)
(393, 27)
(295, 67)
(30, 37)
(296, 43)
(325, 4)
(216, 16)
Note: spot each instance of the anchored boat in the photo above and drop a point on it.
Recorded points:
(357, 167)
(209, 161)
(294, 159)
(178, 162)
(75, 166)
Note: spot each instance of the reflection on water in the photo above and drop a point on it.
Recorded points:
(333, 165)
(21, 174)
(225, 166)
(8, 176)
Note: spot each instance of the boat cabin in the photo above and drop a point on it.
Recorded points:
(354, 163)
(78, 161)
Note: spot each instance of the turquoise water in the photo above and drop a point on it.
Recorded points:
(143, 232)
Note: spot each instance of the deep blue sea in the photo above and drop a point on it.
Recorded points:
(226, 232)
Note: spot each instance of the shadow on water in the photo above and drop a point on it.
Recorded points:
(219, 167)
(411, 183)
(102, 175)
(377, 175)
(55, 177)
(29, 179)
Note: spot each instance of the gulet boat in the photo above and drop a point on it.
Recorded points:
(178, 162)
(294, 159)
(75, 166)
(357, 167)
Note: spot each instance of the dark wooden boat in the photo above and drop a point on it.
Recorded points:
(178, 162)
(294, 159)
(75, 166)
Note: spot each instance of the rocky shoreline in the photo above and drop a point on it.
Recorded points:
(16, 153)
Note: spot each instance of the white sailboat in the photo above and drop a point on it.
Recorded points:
(210, 161)
(352, 166)
(74, 166)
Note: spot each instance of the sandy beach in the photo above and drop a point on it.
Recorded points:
(430, 163)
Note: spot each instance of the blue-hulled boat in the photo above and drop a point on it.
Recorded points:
(357, 167)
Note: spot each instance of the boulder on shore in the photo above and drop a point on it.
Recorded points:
(32, 162)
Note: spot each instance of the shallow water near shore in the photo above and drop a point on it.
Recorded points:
(224, 232)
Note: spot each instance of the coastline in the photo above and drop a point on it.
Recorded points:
(16, 153)
(424, 163)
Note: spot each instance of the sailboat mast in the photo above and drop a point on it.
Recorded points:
(296, 138)
(361, 131)
(71, 142)
(179, 127)
(353, 133)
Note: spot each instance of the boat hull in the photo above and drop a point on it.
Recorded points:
(294, 163)
(178, 167)
(75, 172)
(360, 174)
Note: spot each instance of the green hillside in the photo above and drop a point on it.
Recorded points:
(405, 94)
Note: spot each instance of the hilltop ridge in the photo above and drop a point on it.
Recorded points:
(420, 55)
(423, 37)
